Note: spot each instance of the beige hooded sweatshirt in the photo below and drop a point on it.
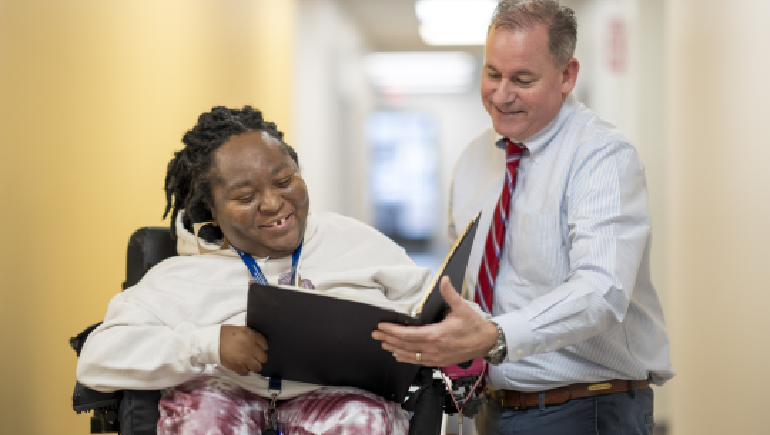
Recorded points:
(165, 330)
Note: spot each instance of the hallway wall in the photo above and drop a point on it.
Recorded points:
(95, 98)
(719, 214)
(331, 101)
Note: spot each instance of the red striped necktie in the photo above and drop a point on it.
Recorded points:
(490, 262)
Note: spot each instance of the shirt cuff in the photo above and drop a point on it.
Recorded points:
(519, 337)
(208, 344)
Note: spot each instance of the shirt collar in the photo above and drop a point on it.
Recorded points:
(539, 140)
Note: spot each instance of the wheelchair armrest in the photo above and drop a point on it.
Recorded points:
(135, 410)
(85, 399)
(103, 405)
(139, 412)
(426, 403)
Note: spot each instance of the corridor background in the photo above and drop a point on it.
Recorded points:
(96, 95)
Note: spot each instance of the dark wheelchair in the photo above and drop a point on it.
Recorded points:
(135, 412)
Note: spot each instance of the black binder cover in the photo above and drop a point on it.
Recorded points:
(323, 340)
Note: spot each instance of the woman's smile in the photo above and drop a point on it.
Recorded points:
(278, 223)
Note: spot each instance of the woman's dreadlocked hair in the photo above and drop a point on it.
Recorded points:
(188, 185)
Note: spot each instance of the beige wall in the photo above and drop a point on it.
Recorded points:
(331, 101)
(719, 215)
(94, 98)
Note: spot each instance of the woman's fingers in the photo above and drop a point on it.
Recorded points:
(254, 365)
(258, 339)
(242, 349)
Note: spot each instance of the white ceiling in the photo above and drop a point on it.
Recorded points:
(391, 25)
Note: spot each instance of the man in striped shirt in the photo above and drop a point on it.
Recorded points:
(575, 332)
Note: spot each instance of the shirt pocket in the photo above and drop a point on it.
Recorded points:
(537, 253)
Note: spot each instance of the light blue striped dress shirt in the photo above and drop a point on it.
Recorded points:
(574, 294)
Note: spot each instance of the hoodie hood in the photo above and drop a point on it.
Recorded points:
(186, 243)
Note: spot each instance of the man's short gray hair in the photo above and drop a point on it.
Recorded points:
(561, 22)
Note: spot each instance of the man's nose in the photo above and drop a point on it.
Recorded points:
(504, 93)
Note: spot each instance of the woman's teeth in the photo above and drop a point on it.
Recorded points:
(277, 223)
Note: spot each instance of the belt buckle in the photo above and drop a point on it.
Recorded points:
(600, 386)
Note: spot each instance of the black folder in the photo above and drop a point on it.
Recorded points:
(324, 340)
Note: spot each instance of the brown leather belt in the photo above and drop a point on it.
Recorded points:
(519, 399)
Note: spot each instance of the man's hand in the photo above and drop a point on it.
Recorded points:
(461, 336)
(241, 349)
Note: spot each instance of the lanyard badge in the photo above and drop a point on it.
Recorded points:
(271, 415)
(256, 272)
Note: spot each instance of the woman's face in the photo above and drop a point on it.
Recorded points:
(260, 200)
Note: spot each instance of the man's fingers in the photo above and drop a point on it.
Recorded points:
(450, 295)
(432, 345)
(398, 348)
(388, 332)
(405, 336)
(415, 358)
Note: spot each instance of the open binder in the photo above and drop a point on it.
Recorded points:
(324, 340)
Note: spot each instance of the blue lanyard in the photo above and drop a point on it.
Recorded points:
(275, 382)
(256, 272)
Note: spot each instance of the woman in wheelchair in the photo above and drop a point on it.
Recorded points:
(239, 209)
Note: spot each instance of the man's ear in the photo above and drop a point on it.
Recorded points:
(569, 76)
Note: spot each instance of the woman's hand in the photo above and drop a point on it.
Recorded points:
(241, 349)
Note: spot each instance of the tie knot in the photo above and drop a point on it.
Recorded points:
(513, 148)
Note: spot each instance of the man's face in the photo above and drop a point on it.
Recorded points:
(521, 87)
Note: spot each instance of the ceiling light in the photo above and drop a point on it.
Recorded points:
(454, 22)
(421, 72)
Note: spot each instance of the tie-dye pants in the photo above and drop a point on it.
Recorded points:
(215, 406)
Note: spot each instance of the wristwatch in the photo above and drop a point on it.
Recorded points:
(498, 352)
